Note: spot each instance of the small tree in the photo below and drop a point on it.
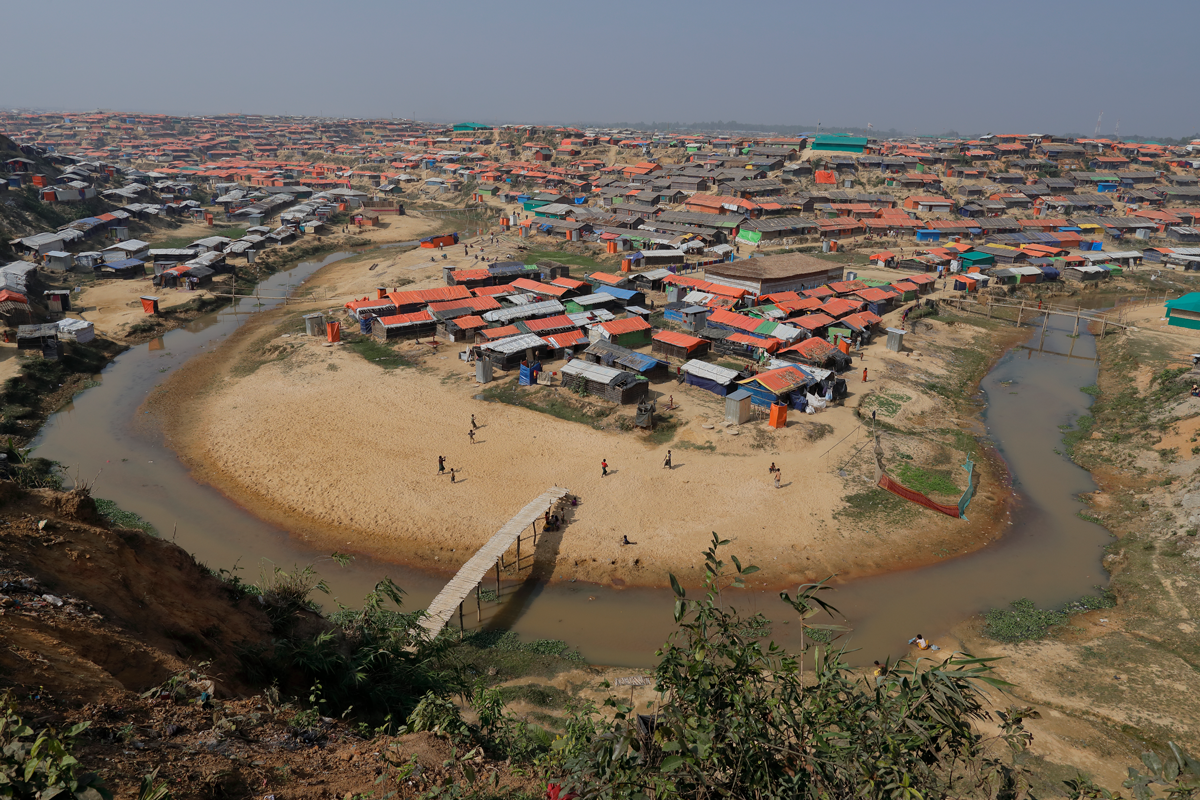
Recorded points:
(740, 719)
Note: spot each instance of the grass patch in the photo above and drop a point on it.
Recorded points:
(1074, 434)
(665, 428)
(376, 352)
(148, 326)
(926, 481)
(708, 446)
(1092, 390)
(546, 403)
(874, 501)
(501, 655)
(184, 241)
(1022, 621)
(887, 404)
(536, 694)
(571, 259)
(123, 519)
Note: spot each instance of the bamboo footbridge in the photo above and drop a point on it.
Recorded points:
(470, 575)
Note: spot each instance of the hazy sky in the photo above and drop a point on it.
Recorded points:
(923, 67)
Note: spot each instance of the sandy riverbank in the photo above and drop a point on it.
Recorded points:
(330, 446)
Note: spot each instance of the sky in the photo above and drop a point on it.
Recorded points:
(929, 66)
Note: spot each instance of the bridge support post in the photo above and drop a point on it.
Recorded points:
(518, 554)
(478, 605)
(461, 627)
(497, 581)
(1077, 321)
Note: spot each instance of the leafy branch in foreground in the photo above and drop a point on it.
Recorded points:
(40, 764)
(739, 719)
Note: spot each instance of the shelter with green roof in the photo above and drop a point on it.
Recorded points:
(976, 259)
(840, 143)
(1184, 312)
(470, 127)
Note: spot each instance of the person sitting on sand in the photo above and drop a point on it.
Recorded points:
(880, 670)
(771, 470)
(625, 540)
(922, 643)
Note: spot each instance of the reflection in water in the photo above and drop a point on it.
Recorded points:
(1049, 555)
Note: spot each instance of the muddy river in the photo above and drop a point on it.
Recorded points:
(1048, 554)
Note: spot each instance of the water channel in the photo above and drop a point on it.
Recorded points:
(1048, 554)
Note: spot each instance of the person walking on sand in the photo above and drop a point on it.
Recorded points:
(777, 472)
(441, 465)
(864, 374)
(473, 425)
(452, 474)
(471, 433)
(603, 468)
(667, 461)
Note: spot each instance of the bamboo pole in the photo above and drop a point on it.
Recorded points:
(497, 581)
(1020, 311)
(478, 605)
(1077, 310)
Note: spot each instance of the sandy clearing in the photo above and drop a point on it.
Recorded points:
(342, 452)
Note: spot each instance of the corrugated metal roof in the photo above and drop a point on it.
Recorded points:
(513, 344)
(592, 372)
(543, 309)
(713, 372)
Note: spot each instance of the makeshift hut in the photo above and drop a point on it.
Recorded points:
(1184, 311)
(782, 386)
(629, 332)
(613, 355)
(43, 338)
(401, 326)
(612, 384)
(510, 351)
(671, 344)
(710, 377)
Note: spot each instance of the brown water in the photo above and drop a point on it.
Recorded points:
(1048, 555)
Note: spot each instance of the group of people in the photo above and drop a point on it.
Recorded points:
(442, 459)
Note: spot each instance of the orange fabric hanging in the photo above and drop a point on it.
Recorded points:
(887, 484)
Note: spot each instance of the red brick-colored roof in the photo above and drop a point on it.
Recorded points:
(627, 325)
(720, 316)
(537, 287)
(815, 349)
(473, 303)
(781, 380)
(677, 339)
(470, 322)
(549, 323)
(401, 319)
(607, 277)
(568, 339)
(812, 321)
(500, 333)
(841, 306)
(424, 296)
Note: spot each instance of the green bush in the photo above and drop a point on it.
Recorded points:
(39, 765)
